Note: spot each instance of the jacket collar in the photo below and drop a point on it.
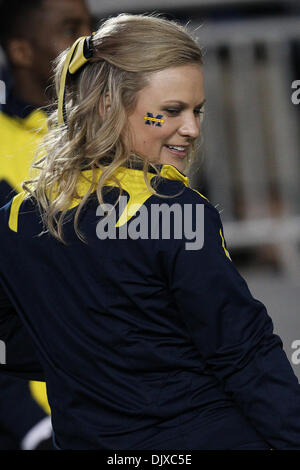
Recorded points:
(136, 163)
(132, 181)
(135, 172)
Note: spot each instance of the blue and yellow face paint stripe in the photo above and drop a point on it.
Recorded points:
(157, 121)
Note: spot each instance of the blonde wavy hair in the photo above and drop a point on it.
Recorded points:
(126, 50)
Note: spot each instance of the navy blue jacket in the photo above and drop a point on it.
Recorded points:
(143, 343)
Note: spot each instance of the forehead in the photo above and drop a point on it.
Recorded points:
(184, 83)
(59, 11)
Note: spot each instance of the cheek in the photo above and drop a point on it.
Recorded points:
(148, 139)
(153, 137)
(161, 135)
(146, 134)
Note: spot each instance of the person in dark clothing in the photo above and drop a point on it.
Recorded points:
(116, 284)
(32, 34)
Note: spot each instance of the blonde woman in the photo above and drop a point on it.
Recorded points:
(116, 285)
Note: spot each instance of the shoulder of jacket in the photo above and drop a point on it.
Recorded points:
(194, 196)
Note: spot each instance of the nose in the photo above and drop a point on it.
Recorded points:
(190, 126)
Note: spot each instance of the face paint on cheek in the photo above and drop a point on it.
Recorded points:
(154, 121)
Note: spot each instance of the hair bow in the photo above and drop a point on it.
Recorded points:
(79, 53)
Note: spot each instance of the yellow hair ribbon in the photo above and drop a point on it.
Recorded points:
(75, 59)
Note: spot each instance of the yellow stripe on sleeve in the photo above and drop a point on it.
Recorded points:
(223, 245)
(14, 211)
(200, 194)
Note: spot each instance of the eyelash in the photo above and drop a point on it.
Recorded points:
(174, 111)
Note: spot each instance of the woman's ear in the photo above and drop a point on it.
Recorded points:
(104, 105)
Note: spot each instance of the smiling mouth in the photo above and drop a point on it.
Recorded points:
(177, 150)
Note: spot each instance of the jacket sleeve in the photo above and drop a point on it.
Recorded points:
(234, 334)
(17, 353)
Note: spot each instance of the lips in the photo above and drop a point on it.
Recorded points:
(178, 150)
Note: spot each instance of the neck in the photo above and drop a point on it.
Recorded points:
(29, 89)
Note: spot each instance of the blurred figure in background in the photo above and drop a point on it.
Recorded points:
(32, 34)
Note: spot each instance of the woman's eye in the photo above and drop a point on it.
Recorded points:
(172, 111)
(176, 111)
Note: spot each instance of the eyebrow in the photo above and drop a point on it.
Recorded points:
(183, 104)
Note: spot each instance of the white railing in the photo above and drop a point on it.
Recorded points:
(251, 134)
